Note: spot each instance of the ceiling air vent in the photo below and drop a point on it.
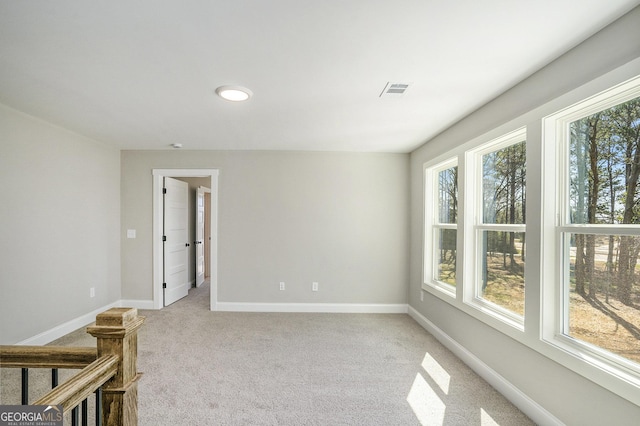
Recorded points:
(394, 89)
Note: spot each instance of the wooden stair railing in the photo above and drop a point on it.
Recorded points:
(111, 366)
(46, 356)
(71, 393)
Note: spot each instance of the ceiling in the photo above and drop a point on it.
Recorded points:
(143, 74)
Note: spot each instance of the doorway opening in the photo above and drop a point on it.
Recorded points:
(158, 220)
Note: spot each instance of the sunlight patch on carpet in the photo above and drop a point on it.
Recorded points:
(486, 419)
(425, 403)
(437, 373)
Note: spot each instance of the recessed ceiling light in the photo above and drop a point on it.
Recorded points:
(234, 93)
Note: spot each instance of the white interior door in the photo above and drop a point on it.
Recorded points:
(200, 220)
(176, 240)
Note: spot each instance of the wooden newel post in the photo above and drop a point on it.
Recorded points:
(116, 331)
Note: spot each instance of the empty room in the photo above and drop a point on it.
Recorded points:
(322, 213)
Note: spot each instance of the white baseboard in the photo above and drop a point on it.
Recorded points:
(532, 409)
(83, 320)
(372, 308)
(66, 328)
(88, 318)
(138, 304)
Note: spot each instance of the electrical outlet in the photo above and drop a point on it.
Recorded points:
(281, 285)
(92, 292)
(314, 286)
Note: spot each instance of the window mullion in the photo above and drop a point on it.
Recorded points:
(506, 227)
(618, 229)
(445, 225)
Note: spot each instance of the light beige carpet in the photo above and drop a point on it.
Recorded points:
(217, 368)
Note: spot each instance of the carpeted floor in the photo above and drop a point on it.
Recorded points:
(220, 368)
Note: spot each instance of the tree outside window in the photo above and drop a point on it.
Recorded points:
(446, 226)
(501, 233)
(603, 229)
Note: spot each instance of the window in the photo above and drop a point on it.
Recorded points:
(596, 229)
(557, 203)
(498, 198)
(441, 214)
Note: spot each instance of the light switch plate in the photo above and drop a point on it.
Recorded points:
(131, 233)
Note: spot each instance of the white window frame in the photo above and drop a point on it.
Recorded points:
(556, 226)
(542, 297)
(474, 226)
(432, 226)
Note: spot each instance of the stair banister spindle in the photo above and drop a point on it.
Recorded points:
(25, 386)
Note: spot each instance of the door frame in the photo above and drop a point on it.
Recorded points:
(158, 218)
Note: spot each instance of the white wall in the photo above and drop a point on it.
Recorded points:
(340, 219)
(60, 226)
(570, 397)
